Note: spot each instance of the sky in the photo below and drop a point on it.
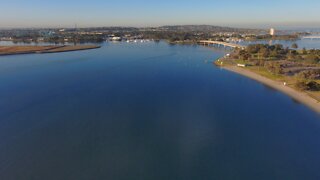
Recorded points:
(146, 13)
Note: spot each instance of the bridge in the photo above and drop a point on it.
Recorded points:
(311, 37)
(232, 45)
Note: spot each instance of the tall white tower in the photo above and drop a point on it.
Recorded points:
(272, 32)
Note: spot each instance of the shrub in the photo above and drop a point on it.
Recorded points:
(308, 85)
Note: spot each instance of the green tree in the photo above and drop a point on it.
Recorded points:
(265, 53)
(308, 85)
(274, 54)
(294, 46)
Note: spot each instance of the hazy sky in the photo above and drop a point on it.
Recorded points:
(84, 13)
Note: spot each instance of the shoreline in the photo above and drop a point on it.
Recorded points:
(20, 50)
(301, 97)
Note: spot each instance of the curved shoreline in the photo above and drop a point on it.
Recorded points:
(296, 95)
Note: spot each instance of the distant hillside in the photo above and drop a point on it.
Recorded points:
(111, 29)
(174, 28)
(208, 28)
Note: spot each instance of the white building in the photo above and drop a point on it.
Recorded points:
(241, 65)
(272, 32)
(115, 38)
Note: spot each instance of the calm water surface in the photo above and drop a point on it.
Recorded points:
(148, 111)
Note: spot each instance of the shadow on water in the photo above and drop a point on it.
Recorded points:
(269, 88)
(296, 101)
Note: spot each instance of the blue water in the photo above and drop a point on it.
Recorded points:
(148, 111)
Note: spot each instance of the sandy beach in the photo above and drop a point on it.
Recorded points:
(297, 95)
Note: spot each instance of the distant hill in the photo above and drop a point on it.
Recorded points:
(174, 28)
(180, 28)
(208, 28)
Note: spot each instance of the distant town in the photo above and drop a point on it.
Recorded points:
(172, 34)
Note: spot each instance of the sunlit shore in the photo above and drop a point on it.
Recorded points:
(299, 96)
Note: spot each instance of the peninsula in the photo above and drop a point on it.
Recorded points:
(14, 50)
